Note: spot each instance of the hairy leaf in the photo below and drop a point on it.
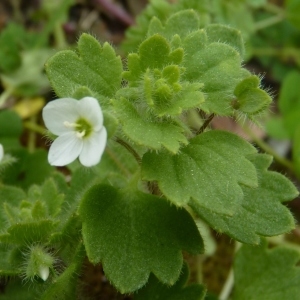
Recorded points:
(29, 232)
(148, 132)
(95, 67)
(133, 234)
(250, 99)
(207, 173)
(180, 23)
(227, 35)
(215, 64)
(261, 212)
(262, 273)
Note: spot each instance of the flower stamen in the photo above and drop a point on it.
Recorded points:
(80, 134)
(70, 125)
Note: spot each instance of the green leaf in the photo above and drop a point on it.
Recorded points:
(30, 232)
(261, 212)
(154, 78)
(30, 168)
(6, 268)
(215, 64)
(10, 58)
(293, 12)
(10, 129)
(149, 133)
(133, 234)
(9, 197)
(154, 53)
(227, 35)
(162, 9)
(155, 290)
(250, 99)
(51, 198)
(136, 34)
(289, 101)
(180, 23)
(235, 13)
(207, 173)
(150, 107)
(96, 67)
(266, 274)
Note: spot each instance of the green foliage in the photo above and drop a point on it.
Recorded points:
(133, 234)
(10, 129)
(74, 70)
(289, 102)
(30, 168)
(216, 65)
(207, 173)
(262, 273)
(250, 99)
(32, 64)
(9, 54)
(138, 210)
(149, 107)
(65, 286)
(293, 11)
(155, 290)
(148, 132)
(262, 205)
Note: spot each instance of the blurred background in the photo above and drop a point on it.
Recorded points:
(33, 30)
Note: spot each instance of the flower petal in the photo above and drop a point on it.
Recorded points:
(65, 149)
(56, 112)
(93, 148)
(89, 108)
(1, 152)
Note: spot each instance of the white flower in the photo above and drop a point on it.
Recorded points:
(79, 127)
(1, 152)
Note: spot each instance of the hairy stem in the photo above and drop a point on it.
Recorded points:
(117, 161)
(130, 149)
(265, 147)
(205, 124)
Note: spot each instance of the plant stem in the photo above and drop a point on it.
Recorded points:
(272, 8)
(117, 161)
(269, 22)
(277, 18)
(205, 124)
(130, 149)
(227, 287)
(265, 147)
(34, 127)
(32, 136)
(59, 35)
